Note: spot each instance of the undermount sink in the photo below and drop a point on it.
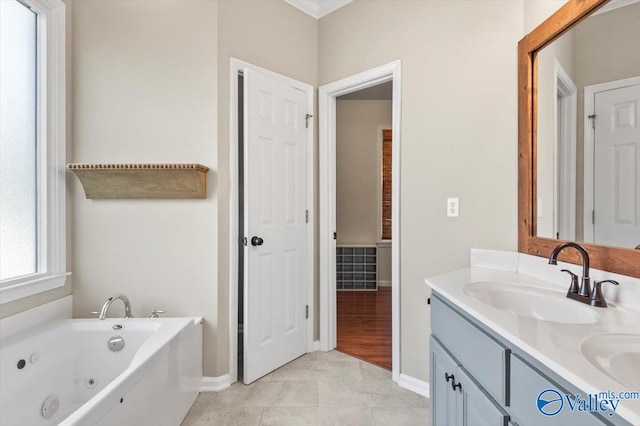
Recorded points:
(532, 302)
(617, 355)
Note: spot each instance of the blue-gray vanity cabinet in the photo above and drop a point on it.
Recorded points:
(526, 384)
(480, 354)
(460, 401)
(443, 366)
(499, 383)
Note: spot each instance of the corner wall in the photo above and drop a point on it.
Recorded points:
(145, 91)
(459, 131)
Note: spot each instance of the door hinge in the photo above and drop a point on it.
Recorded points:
(244, 241)
(306, 311)
(593, 217)
(306, 216)
(306, 120)
(335, 235)
(592, 117)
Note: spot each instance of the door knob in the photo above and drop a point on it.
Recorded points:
(256, 241)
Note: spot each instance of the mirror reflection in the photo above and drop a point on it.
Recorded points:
(588, 130)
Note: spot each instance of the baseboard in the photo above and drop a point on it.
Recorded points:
(215, 384)
(415, 385)
(315, 346)
(384, 283)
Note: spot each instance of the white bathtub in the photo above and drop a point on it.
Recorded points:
(152, 380)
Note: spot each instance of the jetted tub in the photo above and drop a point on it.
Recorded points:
(66, 372)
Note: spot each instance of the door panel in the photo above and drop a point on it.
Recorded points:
(275, 204)
(617, 167)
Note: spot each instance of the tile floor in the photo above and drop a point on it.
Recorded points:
(320, 388)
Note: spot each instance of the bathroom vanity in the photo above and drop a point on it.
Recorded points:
(508, 348)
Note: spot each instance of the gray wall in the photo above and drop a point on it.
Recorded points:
(459, 131)
(357, 169)
(145, 90)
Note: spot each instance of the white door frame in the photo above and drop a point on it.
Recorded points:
(235, 68)
(327, 200)
(589, 147)
(566, 150)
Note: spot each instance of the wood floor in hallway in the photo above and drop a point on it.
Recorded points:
(364, 325)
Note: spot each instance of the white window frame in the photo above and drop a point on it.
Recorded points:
(51, 155)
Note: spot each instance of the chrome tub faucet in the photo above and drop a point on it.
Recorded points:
(105, 308)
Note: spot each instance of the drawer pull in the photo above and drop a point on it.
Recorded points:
(448, 377)
(455, 385)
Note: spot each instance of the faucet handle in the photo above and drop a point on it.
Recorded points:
(597, 298)
(574, 281)
(155, 312)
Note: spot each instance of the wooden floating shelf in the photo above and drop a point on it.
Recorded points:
(142, 181)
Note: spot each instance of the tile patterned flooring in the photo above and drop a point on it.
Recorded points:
(320, 388)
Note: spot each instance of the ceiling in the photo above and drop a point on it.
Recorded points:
(382, 91)
(318, 8)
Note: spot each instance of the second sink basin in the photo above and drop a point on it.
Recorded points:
(533, 302)
(617, 355)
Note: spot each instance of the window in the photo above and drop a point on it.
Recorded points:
(386, 184)
(32, 147)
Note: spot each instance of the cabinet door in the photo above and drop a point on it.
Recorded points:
(529, 387)
(474, 406)
(443, 398)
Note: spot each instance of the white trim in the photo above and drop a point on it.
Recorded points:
(317, 8)
(565, 156)
(327, 200)
(215, 384)
(235, 68)
(315, 346)
(57, 309)
(414, 385)
(589, 146)
(379, 179)
(51, 156)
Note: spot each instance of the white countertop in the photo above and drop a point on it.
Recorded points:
(556, 345)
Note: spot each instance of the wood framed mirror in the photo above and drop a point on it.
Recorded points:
(624, 259)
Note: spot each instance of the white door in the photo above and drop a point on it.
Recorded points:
(275, 158)
(617, 167)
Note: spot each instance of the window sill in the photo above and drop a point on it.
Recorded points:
(31, 285)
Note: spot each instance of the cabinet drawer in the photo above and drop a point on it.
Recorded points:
(526, 385)
(480, 354)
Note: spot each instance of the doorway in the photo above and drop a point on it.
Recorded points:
(271, 232)
(363, 223)
(328, 238)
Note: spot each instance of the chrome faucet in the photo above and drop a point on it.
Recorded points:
(107, 305)
(584, 294)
